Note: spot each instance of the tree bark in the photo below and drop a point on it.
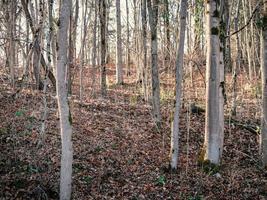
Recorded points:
(128, 55)
(144, 35)
(94, 50)
(263, 138)
(167, 31)
(37, 45)
(212, 134)
(178, 90)
(63, 106)
(153, 20)
(102, 13)
(119, 71)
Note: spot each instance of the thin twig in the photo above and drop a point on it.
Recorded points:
(259, 4)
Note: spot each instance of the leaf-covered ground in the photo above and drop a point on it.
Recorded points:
(118, 151)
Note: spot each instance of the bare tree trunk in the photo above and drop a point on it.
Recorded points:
(128, 56)
(119, 70)
(10, 23)
(227, 54)
(75, 24)
(144, 29)
(237, 62)
(36, 45)
(70, 66)
(179, 76)
(247, 41)
(263, 138)
(153, 20)
(38, 41)
(108, 8)
(136, 42)
(221, 76)
(212, 134)
(63, 106)
(50, 32)
(102, 13)
(86, 17)
(167, 31)
(94, 46)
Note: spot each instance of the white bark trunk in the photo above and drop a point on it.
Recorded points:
(179, 77)
(63, 107)
(212, 134)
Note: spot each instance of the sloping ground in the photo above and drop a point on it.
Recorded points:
(118, 152)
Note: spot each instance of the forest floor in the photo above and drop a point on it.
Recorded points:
(118, 152)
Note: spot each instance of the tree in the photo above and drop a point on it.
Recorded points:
(221, 76)
(36, 45)
(166, 16)
(102, 16)
(85, 16)
(63, 106)
(144, 37)
(119, 71)
(178, 80)
(212, 133)
(94, 50)
(128, 55)
(11, 24)
(153, 21)
(263, 140)
(238, 60)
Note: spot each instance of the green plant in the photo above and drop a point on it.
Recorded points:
(161, 180)
(98, 149)
(210, 168)
(256, 90)
(3, 131)
(114, 146)
(130, 161)
(20, 113)
(197, 197)
(133, 100)
(77, 167)
(20, 183)
(31, 118)
(87, 179)
(32, 169)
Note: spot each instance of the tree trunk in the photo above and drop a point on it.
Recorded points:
(75, 24)
(94, 51)
(263, 139)
(144, 30)
(102, 13)
(167, 32)
(128, 57)
(153, 20)
(220, 72)
(37, 47)
(178, 91)
(119, 71)
(237, 62)
(86, 17)
(10, 10)
(212, 134)
(63, 106)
